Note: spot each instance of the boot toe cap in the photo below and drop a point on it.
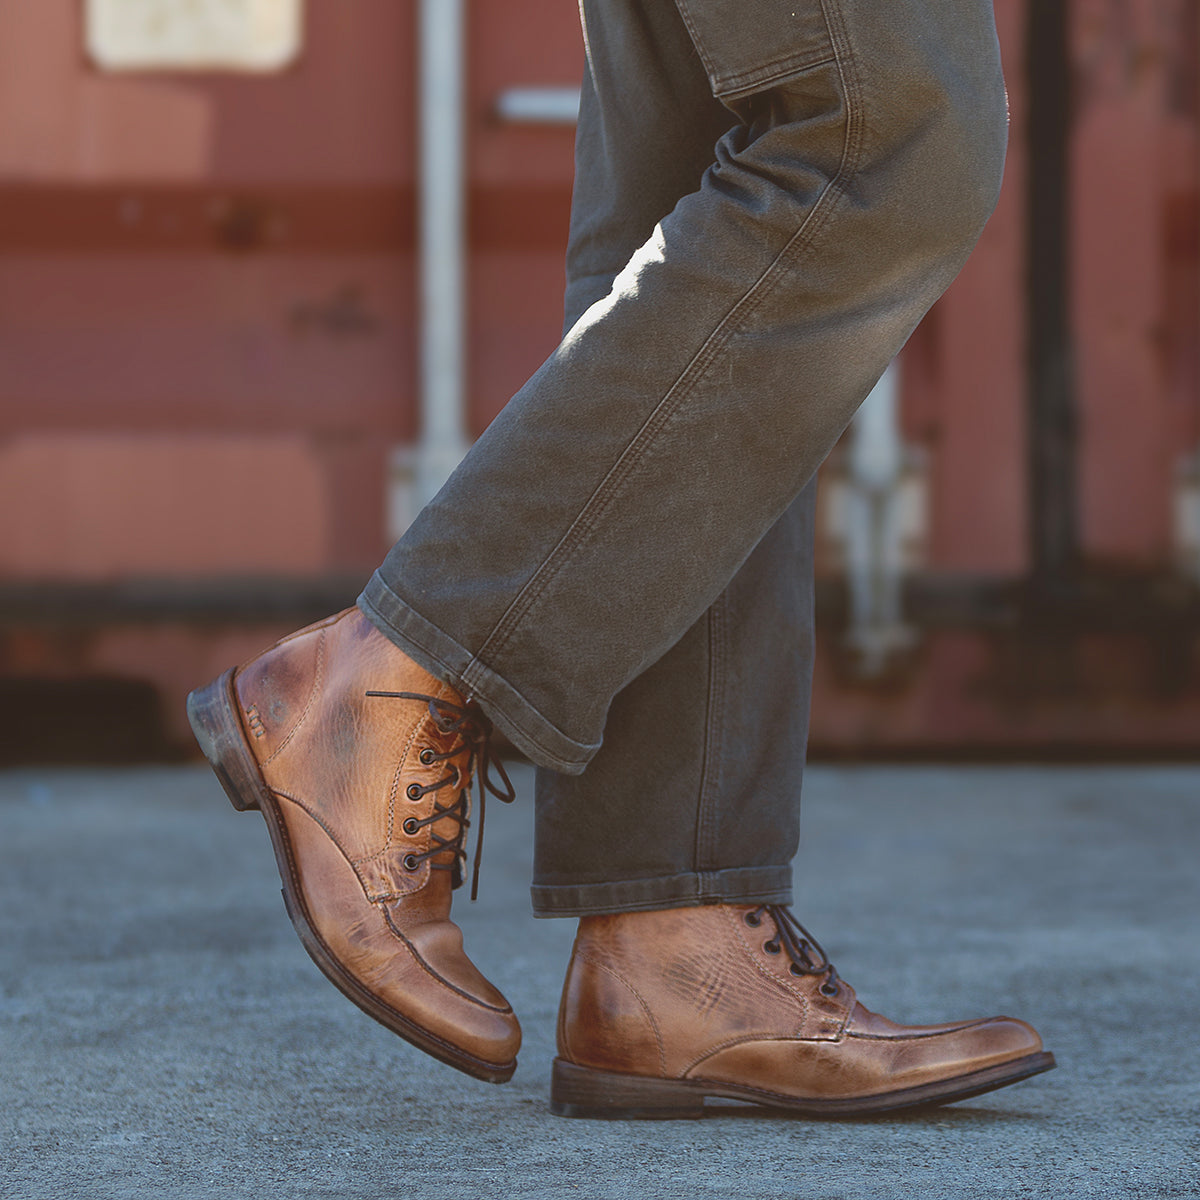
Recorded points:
(406, 969)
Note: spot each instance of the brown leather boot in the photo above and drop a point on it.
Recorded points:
(360, 761)
(661, 1009)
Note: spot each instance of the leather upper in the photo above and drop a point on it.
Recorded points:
(696, 993)
(347, 772)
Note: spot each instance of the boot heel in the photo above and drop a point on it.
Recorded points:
(583, 1092)
(213, 715)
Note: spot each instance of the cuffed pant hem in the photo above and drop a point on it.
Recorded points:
(442, 656)
(735, 885)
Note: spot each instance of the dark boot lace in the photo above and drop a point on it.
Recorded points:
(808, 958)
(474, 730)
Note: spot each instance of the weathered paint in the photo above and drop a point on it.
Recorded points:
(210, 278)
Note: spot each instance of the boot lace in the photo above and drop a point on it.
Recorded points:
(474, 732)
(806, 953)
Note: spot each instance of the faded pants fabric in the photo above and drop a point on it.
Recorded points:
(769, 196)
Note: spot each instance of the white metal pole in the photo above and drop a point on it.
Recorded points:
(875, 520)
(441, 210)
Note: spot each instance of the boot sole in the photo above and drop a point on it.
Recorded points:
(584, 1092)
(215, 721)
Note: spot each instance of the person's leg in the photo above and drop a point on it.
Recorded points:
(695, 795)
(695, 730)
(612, 501)
(692, 799)
(601, 516)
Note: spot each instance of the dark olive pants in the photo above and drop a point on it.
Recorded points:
(769, 196)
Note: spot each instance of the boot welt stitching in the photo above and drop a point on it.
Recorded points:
(505, 1008)
(799, 996)
(662, 1056)
(295, 891)
(742, 1039)
(353, 863)
(312, 695)
(913, 1037)
(278, 793)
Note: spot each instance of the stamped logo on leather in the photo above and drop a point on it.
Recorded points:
(254, 720)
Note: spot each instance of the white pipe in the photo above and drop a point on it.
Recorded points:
(442, 259)
(875, 528)
(876, 455)
(539, 105)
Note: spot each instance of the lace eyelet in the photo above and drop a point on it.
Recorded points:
(410, 826)
(771, 947)
(795, 970)
(751, 920)
(414, 791)
(426, 756)
(829, 989)
(410, 862)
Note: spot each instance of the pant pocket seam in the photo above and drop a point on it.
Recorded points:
(730, 84)
(768, 75)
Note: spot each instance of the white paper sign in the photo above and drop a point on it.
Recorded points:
(193, 35)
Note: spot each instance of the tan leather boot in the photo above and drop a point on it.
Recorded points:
(360, 761)
(661, 1009)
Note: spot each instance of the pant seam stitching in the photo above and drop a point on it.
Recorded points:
(781, 894)
(749, 884)
(780, 70)
(608, 489)
(682, 9)
(764, 73)
(710, 780)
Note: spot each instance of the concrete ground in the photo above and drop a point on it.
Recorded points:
(162, 1033)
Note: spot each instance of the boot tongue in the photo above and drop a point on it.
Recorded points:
(452, 828)
(469, 731)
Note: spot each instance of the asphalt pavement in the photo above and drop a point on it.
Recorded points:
(163, 1035)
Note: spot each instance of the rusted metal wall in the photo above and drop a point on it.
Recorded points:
(207, 338)
(208, 327)
(1100, 656)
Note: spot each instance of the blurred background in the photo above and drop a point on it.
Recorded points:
(268, 266)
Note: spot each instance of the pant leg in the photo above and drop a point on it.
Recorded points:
(612, 501)
(713, 735)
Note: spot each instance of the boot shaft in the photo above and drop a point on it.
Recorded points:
(655, 992)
